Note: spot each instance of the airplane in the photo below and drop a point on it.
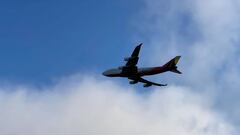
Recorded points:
(135, 74)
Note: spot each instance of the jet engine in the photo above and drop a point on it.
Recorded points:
(147, 85)
(133, 82)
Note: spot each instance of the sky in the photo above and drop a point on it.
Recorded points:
(53, 54)
(41, 40)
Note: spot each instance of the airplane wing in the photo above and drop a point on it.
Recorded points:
(148, 83)
(133, 60)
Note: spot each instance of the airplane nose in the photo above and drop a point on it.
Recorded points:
(109, 73)
(105, 73)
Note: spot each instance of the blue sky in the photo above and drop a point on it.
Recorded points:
(65, 45)
(41, 40)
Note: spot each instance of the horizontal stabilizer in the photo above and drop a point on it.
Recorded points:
(176, 71)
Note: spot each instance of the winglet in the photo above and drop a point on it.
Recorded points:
(140, 44)
(136, 51)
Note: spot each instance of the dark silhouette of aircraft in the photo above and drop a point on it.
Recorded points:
(134, 74)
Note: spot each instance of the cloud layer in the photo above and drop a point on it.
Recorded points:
(93, 107)
(206, 34)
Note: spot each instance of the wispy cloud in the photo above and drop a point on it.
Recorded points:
(206, 34)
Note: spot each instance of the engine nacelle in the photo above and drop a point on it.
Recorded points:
(147, 85)
(133, 82)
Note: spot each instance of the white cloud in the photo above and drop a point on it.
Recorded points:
(206, 34)
(92, 107)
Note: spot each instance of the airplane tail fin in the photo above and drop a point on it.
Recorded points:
(172, 65)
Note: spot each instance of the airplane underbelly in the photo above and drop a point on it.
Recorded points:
(149, 71)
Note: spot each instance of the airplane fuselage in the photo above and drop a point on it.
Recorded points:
(134, 72)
